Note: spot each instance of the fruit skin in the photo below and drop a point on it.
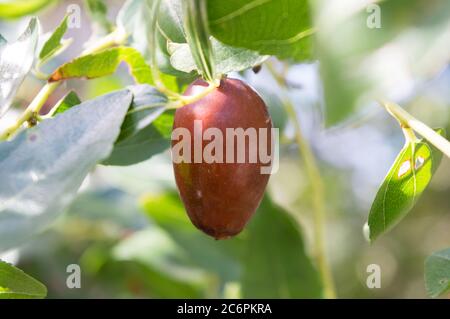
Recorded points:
(220, 198)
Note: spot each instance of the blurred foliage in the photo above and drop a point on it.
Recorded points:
(18, 8)
(149, 249)
(377, 51)
(437, 273)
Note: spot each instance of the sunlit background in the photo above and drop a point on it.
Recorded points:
(123, 252)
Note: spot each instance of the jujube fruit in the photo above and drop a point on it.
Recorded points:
(219, 197)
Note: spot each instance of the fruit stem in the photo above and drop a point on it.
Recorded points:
(410, 137)
(318, 190)
(34, 108)
(184, 100)
(318, 202)
(407, 121)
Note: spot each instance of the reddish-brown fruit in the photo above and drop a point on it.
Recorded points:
(220, 198)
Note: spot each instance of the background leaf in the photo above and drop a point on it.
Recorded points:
(403, 185)
(165, 263)
(143, 134)
(68, 101)
(16, 60)
(15, 284)
(99, 14)
(20, 8)
(108, 205)
(271, 27)
(134, 18)
(148, 104)
(43, 167)
(253, 258)
(227, 59)
(151, 140)
(54, 44)
(170, 21)
(170, 30)
(217, 257)
(277, 268)
(359, 63)
(437, 273)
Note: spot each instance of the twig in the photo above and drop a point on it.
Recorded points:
(34, 108)
(406, 120)
(318, 191)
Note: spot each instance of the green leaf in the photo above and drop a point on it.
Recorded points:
(16, 60)
(148, 104)
(43, 167)
(169, 30)
(406, 180)
(146, 129)
(104, 85)
(19, 8)
(134, 17)
(437, 273)
(275, 262)
(15, 284)
(149, 141)
(271, 27)
(170, 21)
(163, 58)
(99, 14)
(68, 101)
(227, 58)
(105, 63)
(54, 44)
